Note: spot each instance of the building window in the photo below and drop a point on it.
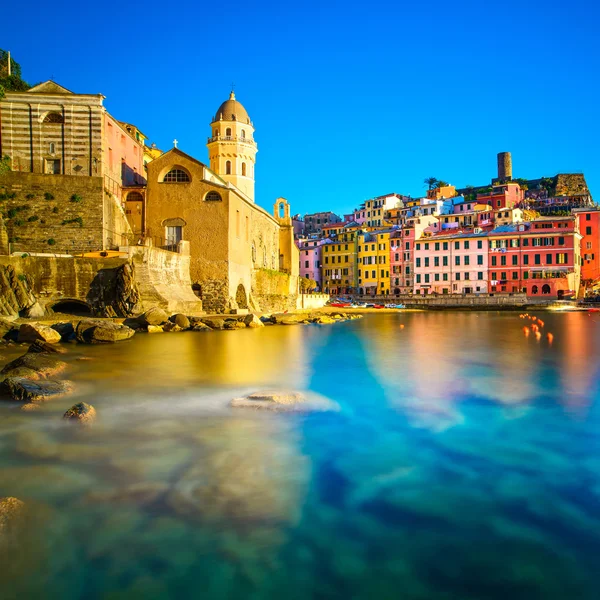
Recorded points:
(243, 169)
(228, 132)
(479, 244)
(588, 231)
(228, 168)
(213, 197)
(176, 176)
(538, 259)
(525, 259)
(480, 259)
(457, 260)
(243, 134)
(52, 148)
(174, 236)
(479, 275)
(53, 117)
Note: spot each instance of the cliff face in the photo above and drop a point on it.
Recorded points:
(570, 184)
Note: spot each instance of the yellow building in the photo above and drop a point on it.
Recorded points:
(339, 262)
(373, 255)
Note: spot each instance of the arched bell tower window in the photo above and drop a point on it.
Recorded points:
(228, 132)
(228, 168)
(53, 117)
(244, 169)
(176, 176)
(243, 134)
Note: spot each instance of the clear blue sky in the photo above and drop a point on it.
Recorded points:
(349, 100)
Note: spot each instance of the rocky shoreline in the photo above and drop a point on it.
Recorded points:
(37, 376)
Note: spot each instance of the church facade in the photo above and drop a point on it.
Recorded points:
(241, 256)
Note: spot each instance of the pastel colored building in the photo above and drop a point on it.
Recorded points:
(540, 257)
(373, 262)
(339, 261)
(451, 263)
(589, 227)
(501, 196)
(310, 258)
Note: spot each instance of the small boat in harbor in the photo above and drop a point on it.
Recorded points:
(395, 306)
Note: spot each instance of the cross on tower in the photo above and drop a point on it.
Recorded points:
(175, 142)
(232, 86)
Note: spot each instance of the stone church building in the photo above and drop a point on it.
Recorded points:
(241, 257)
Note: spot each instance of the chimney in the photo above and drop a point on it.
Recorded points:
(504, 166)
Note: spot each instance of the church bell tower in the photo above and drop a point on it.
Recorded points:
(231, 147)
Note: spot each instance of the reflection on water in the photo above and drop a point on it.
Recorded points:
(462, 464)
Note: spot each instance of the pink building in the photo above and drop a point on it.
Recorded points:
(310, 259)
(124, 163)
(502, 196)
(451, 263)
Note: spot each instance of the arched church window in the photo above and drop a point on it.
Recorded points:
(228, 132)
(243, 134)
(53, 117)
(244, 169)
(213, 197)
(228, 168)
(176, 176)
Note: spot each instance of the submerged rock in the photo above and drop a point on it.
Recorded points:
(200, 327)
(40, 346)
(82, 413)
(253, 321)
(41, 363)
(170, 326)
(11, 509)
(23, 389)
(234, 324)
(30, 332)
(284, 401)
(180, 320)
(153, 316)
(155, 329)
(102, 332)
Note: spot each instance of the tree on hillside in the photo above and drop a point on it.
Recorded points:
(430, 181)
(14, 81)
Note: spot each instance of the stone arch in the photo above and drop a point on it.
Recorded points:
(174, 222)
(545, 289)
(534, 289)
(72, 306)
(52, 117)
(241, 297)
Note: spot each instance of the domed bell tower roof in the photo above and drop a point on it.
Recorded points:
(232, 110)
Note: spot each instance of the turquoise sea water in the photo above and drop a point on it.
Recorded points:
(463, 464)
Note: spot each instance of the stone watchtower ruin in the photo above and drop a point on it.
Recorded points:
(504, 166)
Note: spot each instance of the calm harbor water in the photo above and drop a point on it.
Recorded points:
(463, 464)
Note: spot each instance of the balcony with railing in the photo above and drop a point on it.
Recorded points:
(231, 138)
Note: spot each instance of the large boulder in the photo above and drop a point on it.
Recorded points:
(170, 326)
(22, 389)
(180, 320)
(66, 330)
(155, 329)
(199, 326)
(81, 413)
(41, 363)
(102, 332)
(253, 321)
(40, 346)
(285, 401)
(30, 332)
(214, 323)
(154, 316)
(234, 324)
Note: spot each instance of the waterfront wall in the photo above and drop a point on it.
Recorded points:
(312, 300)
(455, 300)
